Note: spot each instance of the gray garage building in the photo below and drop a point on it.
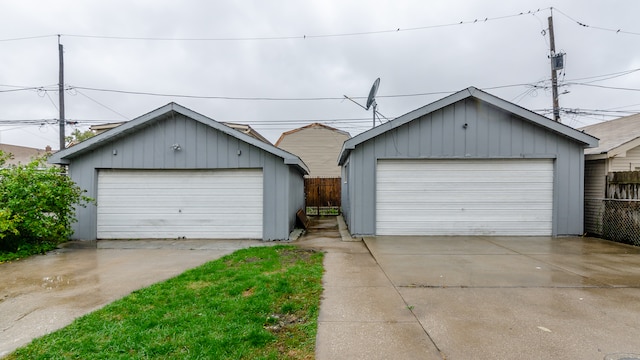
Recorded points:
(468, 164)
(174, 173)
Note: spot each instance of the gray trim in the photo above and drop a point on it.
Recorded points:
(470, 92)
(63, 157)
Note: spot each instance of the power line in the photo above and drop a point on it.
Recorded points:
(101, 104)
(617, 31)
(28, 38)
(445, 92)
(205, 96)
(287, 37)
(319, 36)
(604, 87)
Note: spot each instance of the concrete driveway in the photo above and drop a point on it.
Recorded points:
(47, 292)
(518, 297)
(476, 297)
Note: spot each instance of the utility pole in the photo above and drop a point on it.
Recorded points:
(61, 93)
(554, 75)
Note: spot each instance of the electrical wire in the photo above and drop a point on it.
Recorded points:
(603, 86)
(617, 31)
(101, 104)
(28, 38)
(288, 37)
(608, 76)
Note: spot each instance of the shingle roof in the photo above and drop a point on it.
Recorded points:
(614, 134)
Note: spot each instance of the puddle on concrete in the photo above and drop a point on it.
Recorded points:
(46, 292)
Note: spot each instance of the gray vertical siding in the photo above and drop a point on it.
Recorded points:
(345, 186)
(203, 147)
(595, 183)
(295, 195)
(490, 133)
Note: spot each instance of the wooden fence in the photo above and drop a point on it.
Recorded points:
(322, 196)
(623, 185)
(619, 212)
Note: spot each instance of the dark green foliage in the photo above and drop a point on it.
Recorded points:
(36, 206)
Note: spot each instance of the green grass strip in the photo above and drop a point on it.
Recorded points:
(257, 303)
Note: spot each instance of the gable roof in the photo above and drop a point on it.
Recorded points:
(616, 136)
(244, 128)
(22, 154)
(63, 157)
(470, 92)
(313, 125)
(247, 129)
(100, 128)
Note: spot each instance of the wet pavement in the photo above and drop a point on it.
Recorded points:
(44, 293)
(384, 297)
(477, 298)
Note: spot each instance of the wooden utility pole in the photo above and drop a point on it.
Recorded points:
(554, 75)
(61, 93)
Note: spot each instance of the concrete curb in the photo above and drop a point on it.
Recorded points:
(344, 231)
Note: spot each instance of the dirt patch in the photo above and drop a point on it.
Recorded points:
(280, 322)
(248, 292)
(292, 256)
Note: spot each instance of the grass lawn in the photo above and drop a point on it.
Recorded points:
(257, 303)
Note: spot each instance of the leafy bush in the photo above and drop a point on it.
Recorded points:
(37, 205)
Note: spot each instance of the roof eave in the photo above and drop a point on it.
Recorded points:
(586, 139)
(64, 156)
(589, 141)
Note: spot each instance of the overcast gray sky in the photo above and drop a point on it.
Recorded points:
(298, 53)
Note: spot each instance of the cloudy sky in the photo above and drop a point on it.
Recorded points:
(281, 64)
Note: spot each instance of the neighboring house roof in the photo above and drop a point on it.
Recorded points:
(99, 129)
(63, 157)
(247, 129)
(616, 136)
(470, 92)
(317, 145)
(22, 154)
(243, 128)
(313, 125)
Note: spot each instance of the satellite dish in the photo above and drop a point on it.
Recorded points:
(371, 100)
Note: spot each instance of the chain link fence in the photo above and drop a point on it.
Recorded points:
(621, 220)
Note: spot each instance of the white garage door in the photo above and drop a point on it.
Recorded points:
(464, 197)
(208, 204)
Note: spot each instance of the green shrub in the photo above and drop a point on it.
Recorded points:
(37, 205)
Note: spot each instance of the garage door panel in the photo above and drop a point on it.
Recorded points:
(171, 232)
(464, 197)
(444, 206)
(177, 203)
(454, 228)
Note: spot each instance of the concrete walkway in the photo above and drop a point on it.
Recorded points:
(362, 315)
(476, 297)
(44, 293)
(384, 297)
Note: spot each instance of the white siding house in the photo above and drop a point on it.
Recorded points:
(318, 145)
(618, 150)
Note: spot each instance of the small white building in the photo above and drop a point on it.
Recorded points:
(318, 145)
(618, 150)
